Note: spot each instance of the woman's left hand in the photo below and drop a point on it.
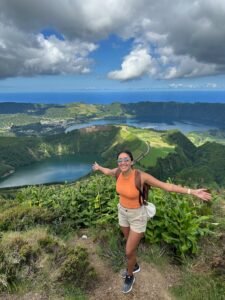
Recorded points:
(203, 194)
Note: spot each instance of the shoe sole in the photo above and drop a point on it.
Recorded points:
(136, 271)
(130, 287)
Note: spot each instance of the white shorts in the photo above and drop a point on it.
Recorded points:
(135, 218)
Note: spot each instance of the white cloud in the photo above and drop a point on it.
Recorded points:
(211, 85)
(186, 67)
(182, 86)
(26, 55)
(54, 56)
(135, 65)
(178, 39)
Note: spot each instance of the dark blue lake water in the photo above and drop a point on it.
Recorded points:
(184, 127)
(72, 168)
(61, 169)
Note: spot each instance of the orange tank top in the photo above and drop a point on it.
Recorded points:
(129, 194)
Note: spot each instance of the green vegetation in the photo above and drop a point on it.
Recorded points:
(203, 165)
(20, 151)
(204, 113)
(194, 286)
(37, 256)
(39, 226)
(200, 138)
(20, 114)
(36, 246)
(151, 159)
(178, 221)
(6, 121)
(171, 154)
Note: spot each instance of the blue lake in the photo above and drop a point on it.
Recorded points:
(71, 168)
(61, 169)
(184, 127)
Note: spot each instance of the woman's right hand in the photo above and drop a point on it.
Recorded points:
(95, 166)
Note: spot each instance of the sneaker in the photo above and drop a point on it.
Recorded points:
(136, 270)
(128, 284)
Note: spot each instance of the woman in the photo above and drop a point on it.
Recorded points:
(132, 216)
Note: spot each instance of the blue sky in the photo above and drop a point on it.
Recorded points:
(111, 45)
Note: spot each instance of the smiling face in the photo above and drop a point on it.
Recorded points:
(124, 162)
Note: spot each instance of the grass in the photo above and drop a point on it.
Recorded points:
(151, 158)
(155, 138)
(203, 275)
(199, 138)
(38, 262)
(197, 279)
(111, 247)
(199, 287)
(73, 293)
(158, 147)
(155, 254)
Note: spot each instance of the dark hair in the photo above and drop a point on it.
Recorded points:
(127, 152)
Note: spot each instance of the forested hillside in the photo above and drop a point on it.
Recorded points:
(20, 151)
(190, 164)
(171, 154)
(43, 227)
(204, 113)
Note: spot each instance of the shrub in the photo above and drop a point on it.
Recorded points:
(18, 254)
(21, 217)
(177, 222)
(26, 256)
(6, 203)
(76, 269)
(82, 202)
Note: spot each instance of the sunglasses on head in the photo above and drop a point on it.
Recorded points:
(125, 159)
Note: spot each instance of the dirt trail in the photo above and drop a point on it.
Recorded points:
(150, 284)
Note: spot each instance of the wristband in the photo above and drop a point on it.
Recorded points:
(189, 191)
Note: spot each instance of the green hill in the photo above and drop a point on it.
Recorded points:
(103, 141)
(204, 113)
(171, 154)
(23, 114)
(190, 164)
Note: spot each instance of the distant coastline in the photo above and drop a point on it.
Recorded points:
(107, 97)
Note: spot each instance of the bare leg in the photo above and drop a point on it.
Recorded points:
(133, 241)
(125, 231)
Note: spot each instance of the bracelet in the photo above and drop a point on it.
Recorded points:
(189, 191)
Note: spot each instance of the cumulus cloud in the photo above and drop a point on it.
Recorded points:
(135, 65)
(28, 54)
(178, 39)
(88, 19)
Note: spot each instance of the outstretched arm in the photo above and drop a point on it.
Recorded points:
(169, 187)
(106, 171)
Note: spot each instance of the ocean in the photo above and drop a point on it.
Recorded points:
(107, 97)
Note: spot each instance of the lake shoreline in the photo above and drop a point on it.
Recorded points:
(53, 170)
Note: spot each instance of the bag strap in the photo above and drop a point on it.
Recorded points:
(138, 186)
(117, 174)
